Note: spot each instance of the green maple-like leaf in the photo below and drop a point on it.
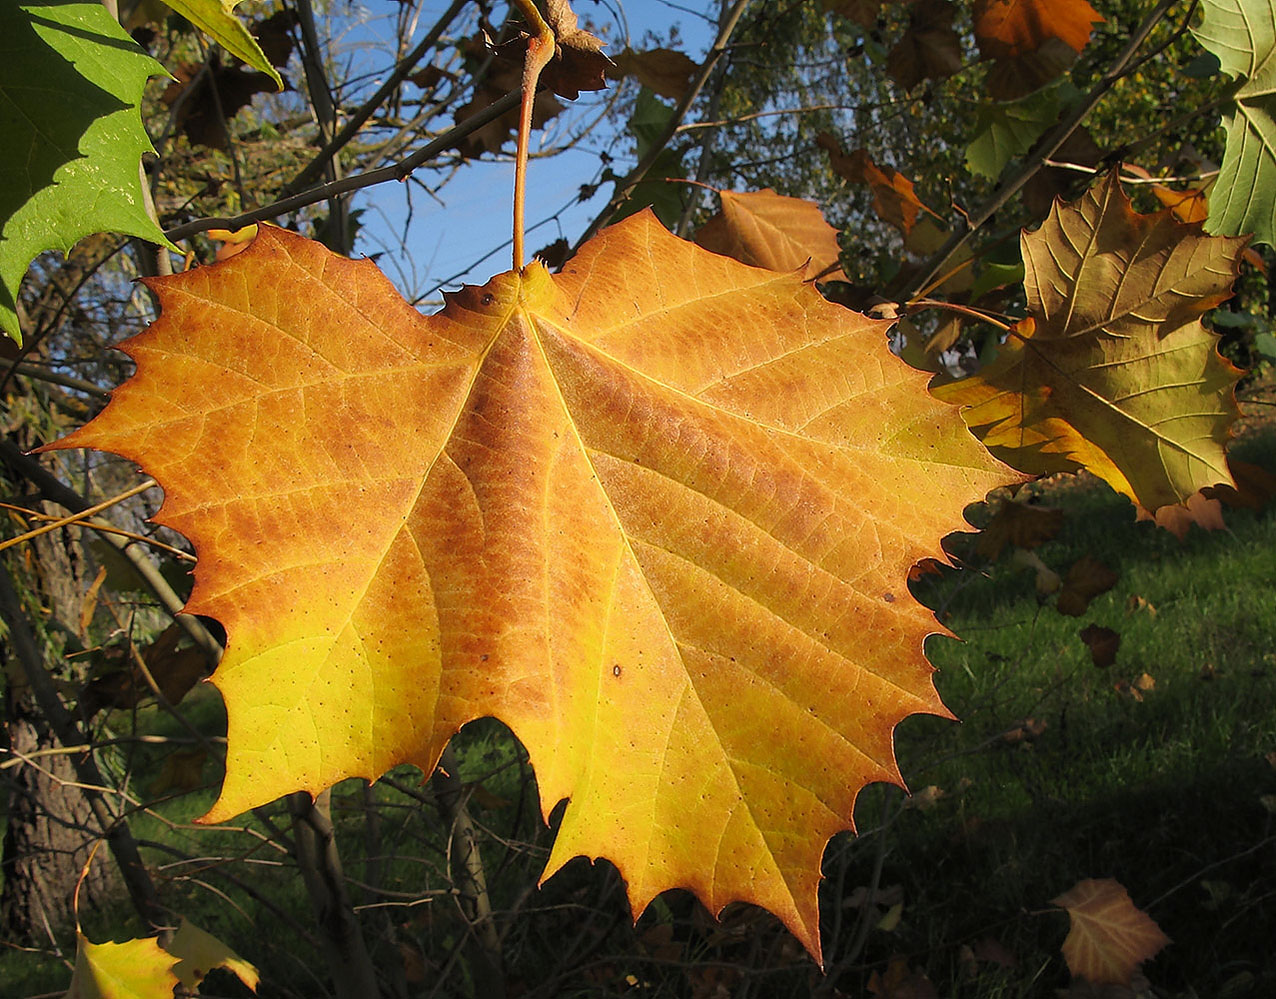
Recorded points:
(71, 80)
(1007, 130)
(1242, 34)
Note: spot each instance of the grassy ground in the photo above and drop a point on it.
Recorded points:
(1058, 771)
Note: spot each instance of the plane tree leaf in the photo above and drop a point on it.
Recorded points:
(656, 513)
(216, 18)
(1030, 41)
(1004, 131)
(771, 230)
(135, 969)
(1242, 34)
(71, 82)
(1113, 371)
(199, 952)
(1109, 936)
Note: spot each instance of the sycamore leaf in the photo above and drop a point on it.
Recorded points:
(578, 63)
(930, 49)
(1114, 371)
(1031, 41)
(1004, 131)
(135, 969)
(200, 952)
(1242, 34)
(894, 198)
(770, 230)
(666, 72)
(1087, 579)
(1020, 526)
(655, 513)
(70, 84)
(1204, 511)
(1103, 644)
(1109, 937)
(216, 18)
(862, 12)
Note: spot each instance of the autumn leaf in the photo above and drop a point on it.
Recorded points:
(200, 952)
(1109, 937)
(1242, 34)
(217, 19)
(1020, 525)
(1203, 511)
(930, 49)
(894, 198)
(1103, 644)
(1087, 579)
(666, 72)
(1113, 370)
(862, 12)
(769, 230)
(578, 63)
(655, 513)
(135, 969)
(71, 84)
(1031, 41)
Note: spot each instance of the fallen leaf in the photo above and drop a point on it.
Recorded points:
(1106, 287)
(1026, 730)
(1109, 937)
(1103, 644)
(666, 72)
(1087, 579)
(1137, 604)
(647, 512)
(1047, 580)
(135, 969)
(770, 230)
(901, 982)
(925, 799)
(200, 952)
(930, 49)
(993, 951)
(1021, 525)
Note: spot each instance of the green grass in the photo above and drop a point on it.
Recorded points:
(1166, 794)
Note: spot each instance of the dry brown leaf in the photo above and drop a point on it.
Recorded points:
(901, 982)
(1031, 41)
(1103, 644)
(769, 230)
(1021, 525)
(1109, 937)
(894, 198)
(1198, 509)
(578, 63)
(930, 49)
(667, 72)
(1087, 578)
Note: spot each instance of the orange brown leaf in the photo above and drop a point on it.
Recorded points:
(1109, 937)
(1113, 370)
(894, 198)
(647, 512)
(930, 49)
(1031, 41)
(769, 230)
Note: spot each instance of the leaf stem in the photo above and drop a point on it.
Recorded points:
(540, 49)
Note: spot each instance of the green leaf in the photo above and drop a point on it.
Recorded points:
(71, 81)
(1004, 131)
(1242, 34)
(216, 19)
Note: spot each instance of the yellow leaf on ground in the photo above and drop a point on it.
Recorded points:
(135, 969)
(1113, 370)
(1109, 937)
(770, 230)
(655, 513)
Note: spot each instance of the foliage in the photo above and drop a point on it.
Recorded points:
(655, 512)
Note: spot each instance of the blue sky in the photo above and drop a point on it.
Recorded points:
(461, 240)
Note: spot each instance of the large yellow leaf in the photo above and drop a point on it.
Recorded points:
(655, 513)
(135, 969)
(1113, 370)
